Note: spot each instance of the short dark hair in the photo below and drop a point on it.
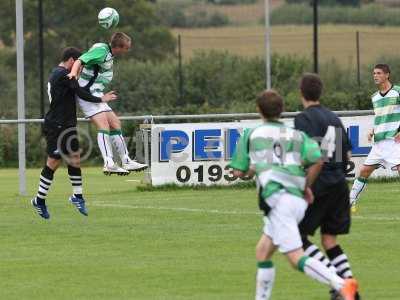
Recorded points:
(270, 104)
(69, 52)
(384, 67)
(119, 40)
(311, 87)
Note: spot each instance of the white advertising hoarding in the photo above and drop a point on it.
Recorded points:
(198, 153)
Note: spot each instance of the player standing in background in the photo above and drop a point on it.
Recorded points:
(96, 75)
(60, 131)
(277, 155)
(385, 136)
(330, 210)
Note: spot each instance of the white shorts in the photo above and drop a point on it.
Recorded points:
(385, 153)
(90, 109)
(281, 224)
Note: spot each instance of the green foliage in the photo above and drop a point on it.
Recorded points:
(137, 18)
(366, 14)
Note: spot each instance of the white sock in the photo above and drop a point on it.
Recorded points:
(358, 186)
(119, 144)
(318, 271)
(265, 280)
(103, 140)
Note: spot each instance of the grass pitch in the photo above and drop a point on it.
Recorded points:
(170, 244)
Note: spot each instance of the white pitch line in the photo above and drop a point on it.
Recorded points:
(185, 209)
(228, 212)
(377, 218)
(132, 180)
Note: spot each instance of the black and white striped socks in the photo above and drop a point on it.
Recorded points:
(313, 251)
(340, 261)
(75, 176)
(46, 178)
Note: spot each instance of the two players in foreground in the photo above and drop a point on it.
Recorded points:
(61, 134)
(96, 76)
(278, 156)
(385, 136)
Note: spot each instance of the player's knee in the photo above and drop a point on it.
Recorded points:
(101, 122)
(328, 241)
(294, 257)
(53, 163)
(365, 172)
(261, 252)
(75, 161)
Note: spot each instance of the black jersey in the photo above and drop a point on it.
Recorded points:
(62, 91)
(320, 123)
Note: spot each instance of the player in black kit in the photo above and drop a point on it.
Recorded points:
(331, 207)
(61, 134)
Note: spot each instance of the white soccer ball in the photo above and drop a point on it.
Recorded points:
(108, 17)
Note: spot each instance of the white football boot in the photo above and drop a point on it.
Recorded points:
(114, 169)
(133, 165)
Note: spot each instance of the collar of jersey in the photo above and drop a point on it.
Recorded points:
(109, 47)
(274, 123)
(384, 94)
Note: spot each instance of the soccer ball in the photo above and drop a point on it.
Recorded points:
(108, 17)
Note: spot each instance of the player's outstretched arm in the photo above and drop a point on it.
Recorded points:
(81, 92)
(75, 69)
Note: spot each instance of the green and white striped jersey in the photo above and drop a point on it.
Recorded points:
(278, 154)
(99, 58)
(387, 114)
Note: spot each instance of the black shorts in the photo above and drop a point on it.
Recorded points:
(60, 140)
(330, 211)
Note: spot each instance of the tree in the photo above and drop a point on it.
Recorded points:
(74, 22)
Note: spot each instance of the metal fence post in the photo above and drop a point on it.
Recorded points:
(180, 72)
(358, 58)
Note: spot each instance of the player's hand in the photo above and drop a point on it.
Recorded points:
(110, 96)
(309, 195)
(397, 137)
(72, 76)
(370, 136)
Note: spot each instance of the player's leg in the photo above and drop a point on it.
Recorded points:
(336, 255)
(47, 174)
(118, 142)
(104, 142)
(75, 176)
(337, 221)
(309, 224)
(373, 161)
(265, 268)
(96, 112)
(45, 181)
(103, 137)
(316, 270)
(285, 218)
(360, 183)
